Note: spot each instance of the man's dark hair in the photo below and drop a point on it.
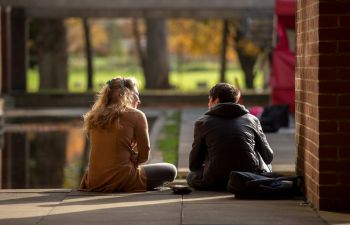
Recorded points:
(225, 92)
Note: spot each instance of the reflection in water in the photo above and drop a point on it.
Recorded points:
(42, 155)
(45, 155)
(75, 162)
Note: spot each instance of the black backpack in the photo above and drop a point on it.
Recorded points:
(274, 117)
(247, 185)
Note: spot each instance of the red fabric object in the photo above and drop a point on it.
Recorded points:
(285, 7)
(256, 110)
(284, 96)
(282, 38)
(282, 79)
(283, 59)
(285, 11)
(283, 69)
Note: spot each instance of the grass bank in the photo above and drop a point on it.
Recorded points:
(168, 141)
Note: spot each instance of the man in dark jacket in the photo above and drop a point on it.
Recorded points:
(226, 138)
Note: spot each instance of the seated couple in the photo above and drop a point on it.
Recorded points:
(226, 138)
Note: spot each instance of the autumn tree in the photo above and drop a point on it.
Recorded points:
(247, 53)
(76, 36)
(207, 37)
(157, 55)
(252, 36)
(48, 37)
(88, 54)
(198, 38)
(154, 57)
(223, 57)
(89, 36)
(138, 46)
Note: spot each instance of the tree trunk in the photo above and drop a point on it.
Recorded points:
(50, 41)
(140, 51)
(246, 60)
(157, 60)
(88, 54)
(223, 50)
(247, 64)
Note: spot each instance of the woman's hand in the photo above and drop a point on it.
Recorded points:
(134, 158)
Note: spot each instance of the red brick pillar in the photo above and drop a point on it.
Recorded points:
(323, 101)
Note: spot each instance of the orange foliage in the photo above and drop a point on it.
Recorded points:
(197, 38)
(75, 35)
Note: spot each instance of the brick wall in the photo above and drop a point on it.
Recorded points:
(323, 101)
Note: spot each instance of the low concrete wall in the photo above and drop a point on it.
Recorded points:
(41, 100)
(1, 135)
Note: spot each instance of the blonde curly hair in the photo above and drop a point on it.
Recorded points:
(110, 101)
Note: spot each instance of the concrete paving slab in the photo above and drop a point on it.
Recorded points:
(27, 208)
(251, 212)
(336, 218)
(283, 144)
(209, 197)
(132, 208)
(188, 118)
(161, 191)
(160, 114)
(157, 207)
(85, 193)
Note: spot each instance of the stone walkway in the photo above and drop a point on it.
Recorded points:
(62, 206)
(188, 118)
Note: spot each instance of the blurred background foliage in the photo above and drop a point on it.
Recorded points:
(194, 48)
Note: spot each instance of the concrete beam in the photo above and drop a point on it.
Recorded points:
(148, 98)
(141, 4)
(143, 8)
(143, 13)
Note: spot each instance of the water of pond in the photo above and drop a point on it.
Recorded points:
(45, 155)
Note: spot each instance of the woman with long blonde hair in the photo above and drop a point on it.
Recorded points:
(119, 141)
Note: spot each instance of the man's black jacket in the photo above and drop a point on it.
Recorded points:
(226, 138)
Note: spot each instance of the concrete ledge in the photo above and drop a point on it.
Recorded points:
(39, 190)
(148, 98)
(285, 169)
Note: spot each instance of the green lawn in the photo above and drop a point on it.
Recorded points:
(184, 81)
(195, 76)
